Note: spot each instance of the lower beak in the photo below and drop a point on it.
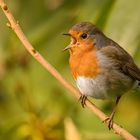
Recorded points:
(66, 48)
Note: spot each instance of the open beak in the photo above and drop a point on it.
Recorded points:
(68, 47)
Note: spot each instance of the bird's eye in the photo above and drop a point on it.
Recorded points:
(84, 36)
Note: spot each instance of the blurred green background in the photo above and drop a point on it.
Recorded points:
(33, 105)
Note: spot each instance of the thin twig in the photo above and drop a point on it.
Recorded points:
(14, 25)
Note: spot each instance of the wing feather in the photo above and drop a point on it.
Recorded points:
(122, 60)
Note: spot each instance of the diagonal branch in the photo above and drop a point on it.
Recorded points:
(14, 25)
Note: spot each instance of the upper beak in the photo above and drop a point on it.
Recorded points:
(68, 47)
(66, 34)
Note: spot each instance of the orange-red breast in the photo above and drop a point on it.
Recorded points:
(101, 68)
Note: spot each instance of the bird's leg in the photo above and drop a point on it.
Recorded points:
(82, 99)
(109, 119)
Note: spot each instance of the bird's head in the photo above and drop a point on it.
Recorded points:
(83, 37)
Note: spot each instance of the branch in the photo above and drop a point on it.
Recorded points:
(14, 25)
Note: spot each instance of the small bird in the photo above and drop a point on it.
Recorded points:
(101, 68)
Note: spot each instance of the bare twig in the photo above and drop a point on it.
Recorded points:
(14, 25)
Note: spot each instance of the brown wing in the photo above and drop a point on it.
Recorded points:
(132, 70)
(122, 60)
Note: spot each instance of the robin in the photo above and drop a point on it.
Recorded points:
(101, 68)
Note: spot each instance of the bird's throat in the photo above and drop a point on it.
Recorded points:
(84, 64)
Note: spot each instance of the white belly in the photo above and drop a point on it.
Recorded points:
(92, 87)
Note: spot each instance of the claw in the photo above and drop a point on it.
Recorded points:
(109, 120)
(82, 99)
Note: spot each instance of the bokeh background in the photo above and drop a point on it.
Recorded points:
(33, 104)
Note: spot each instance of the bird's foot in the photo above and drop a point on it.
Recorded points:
(109, 121)
(82, 99)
